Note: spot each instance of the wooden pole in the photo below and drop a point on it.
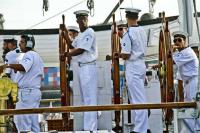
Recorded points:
(63, 78)
(116, 75)
(166, 70)
(118, 107)
(180, 91)
(64, 84)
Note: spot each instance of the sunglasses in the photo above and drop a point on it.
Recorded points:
(120, 29)
(178, 39)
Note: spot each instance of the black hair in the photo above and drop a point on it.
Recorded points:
(81, 15)
(13, 41)
(73, 30)
(29, 38)
(6, 40)
(131, 15)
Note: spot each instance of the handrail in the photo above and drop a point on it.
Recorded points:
(100, 108)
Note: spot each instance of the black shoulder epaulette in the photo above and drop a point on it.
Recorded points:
(17, 50)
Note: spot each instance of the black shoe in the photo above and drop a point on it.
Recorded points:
(133, 132)
(148, 131)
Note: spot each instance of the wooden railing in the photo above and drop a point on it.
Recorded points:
(118, 107)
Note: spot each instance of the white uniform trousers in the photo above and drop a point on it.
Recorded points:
(87, 76)
(190, 90)
(135, 75)
(28, 98)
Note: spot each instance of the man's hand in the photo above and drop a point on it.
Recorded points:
(174, 48)
(67, 54)
(62, 57)
(2, 68)
(116, 55)
(125, 56)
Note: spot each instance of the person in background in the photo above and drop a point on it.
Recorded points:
(12, 44)
(73, 32)
(5, 48)
(121, 28)
(12, 58)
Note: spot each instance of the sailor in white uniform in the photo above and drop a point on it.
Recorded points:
(133, 48)
(73, 33)
(121, 28)
(29, 83)
(85, 51)
(12, 58)
(188, 64)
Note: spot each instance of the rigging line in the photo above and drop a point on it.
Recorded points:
(51, 17)
(132, 3)
(196, 18)
(120, 10)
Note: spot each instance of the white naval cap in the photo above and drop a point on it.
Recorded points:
(132, 12)
(81, 13)
(121, 23)
(73, 28)
(180, 34)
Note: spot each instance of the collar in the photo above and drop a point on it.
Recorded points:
(134, 25)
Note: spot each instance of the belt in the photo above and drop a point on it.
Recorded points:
(80, 64)
(27, 89)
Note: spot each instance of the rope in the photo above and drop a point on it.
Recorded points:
(132, 3)
(90, 5)
(51, 17)
(120, 10)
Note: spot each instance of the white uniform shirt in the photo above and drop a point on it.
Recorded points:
(87, 41)
(33, 65)
(187, 63)
(134, 42)
(12, 58)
